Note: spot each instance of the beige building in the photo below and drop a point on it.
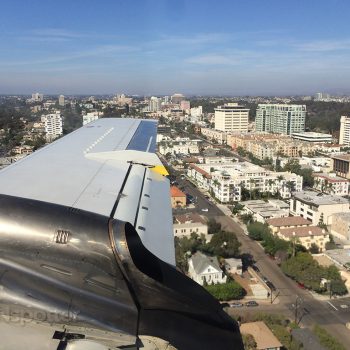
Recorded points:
(277, 224)
(341, 165)
(341, 226)
(185, 225)
(306, 236)
(217, 135)
(231, 117)
(264, 338)
(344, 134)
(318, 207)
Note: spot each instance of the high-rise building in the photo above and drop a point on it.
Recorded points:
(344, 134)
(61, 100)
(321, 96)
(196, 111)
(36, 97)
(53, 125)
(154, 104)
(231, 117)
(280, 118)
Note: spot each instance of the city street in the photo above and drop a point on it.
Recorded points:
(332, 316)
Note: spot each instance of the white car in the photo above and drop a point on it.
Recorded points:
(205, 209)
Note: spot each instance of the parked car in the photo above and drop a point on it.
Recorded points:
(205, 209)
(225, 305)
(236, 305)
(271, 285)
(255, 268)
(301, 285)
(264, 279)
(251, 303)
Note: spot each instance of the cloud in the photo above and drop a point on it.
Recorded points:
(324, 45)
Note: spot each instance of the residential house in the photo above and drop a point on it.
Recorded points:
(205, 269)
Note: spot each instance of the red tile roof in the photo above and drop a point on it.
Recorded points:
(175, 192)
(201, 171)
(288, 221)
(302, 231)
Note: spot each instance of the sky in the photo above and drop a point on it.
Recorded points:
(159, 47)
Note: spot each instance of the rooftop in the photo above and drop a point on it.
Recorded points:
(189, 217)
(175, 192)
(340, 256)
(201, 262)
(288, 221)
(342, 157)
(302, 231)
(317, 198)
(263, 336)
(330, 177)
(200, 170)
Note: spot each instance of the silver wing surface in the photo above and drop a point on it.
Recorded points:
(87, 254)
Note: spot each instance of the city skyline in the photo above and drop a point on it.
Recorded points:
(161, 47)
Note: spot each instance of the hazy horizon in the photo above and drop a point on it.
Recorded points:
(156, 47)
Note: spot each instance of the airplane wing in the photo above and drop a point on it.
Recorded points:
(87, 253)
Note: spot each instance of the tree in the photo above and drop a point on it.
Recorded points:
(226, 291)
(313, 249)
(293, 166)
(326, 339)
(213, 226)
(257, 230)
(249, 342)
(223, 244)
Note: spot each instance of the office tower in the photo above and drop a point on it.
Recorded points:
(61, 100)
(280, 118)
(196, 111)
(344, 134)
(231, 117)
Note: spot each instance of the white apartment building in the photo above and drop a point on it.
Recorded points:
(314, 137)
(231, 117)
(203, 268)
(317, 207)
(217, 135)
(53, 125)
(179, 147)
(280, 118)
(90, 117)
(154, 104)
(344, 135)
(331, 184)
(196, 111)
(226, 180)
(36, 97)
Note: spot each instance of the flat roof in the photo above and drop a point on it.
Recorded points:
(345, 157)
(311, 134)
(318, 198)
(341, 256)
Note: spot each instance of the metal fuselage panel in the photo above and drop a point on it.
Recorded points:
(57, 266)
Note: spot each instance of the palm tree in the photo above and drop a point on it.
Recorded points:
(331, 188)
(251, 182)
(270, 182)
